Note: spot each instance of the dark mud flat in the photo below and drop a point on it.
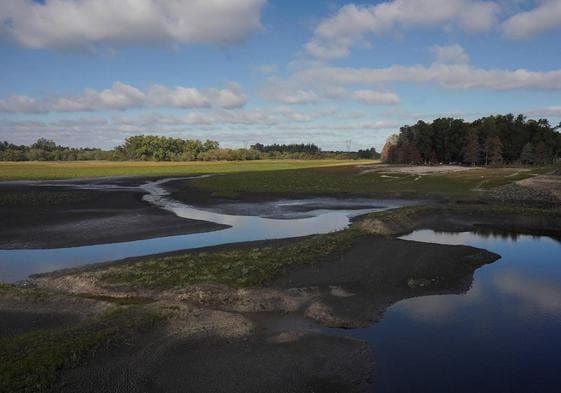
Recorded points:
(220, 339)
(377, 272)
(53, 216)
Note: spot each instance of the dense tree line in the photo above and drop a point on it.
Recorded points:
(160, 148)
(308, 148)
(47, 150)
(502, 139)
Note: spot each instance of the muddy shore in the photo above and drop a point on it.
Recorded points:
(217, 338)
(35, 216)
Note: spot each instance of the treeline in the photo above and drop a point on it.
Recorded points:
(309, 148)
(159, 148)
(502, 139)
(47, 150)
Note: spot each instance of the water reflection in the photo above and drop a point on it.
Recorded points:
(501, 336)
(18, 264)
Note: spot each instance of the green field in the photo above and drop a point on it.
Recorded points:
(353, 180)
(41, 170)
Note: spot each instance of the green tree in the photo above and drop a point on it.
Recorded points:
(527, 155)
(494, 149)
(472, 152)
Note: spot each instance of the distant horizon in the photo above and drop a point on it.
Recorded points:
(91, 73)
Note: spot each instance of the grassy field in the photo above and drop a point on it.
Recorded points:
(38, 170)
(353, 180)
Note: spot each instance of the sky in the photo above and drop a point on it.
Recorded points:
(336, 73)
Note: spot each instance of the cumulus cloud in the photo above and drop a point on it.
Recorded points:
(373, 97)
(267, 69)
(451, 76)
(296, 91)
(122, 97)
(349, 27)
(287, 93)
(553, 111)
(546, 16)
(453, 54)
(79, 24)
(231, 97)
(180, 97)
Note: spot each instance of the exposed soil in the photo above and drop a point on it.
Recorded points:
(222, 339)
(66, 217)
(537, 190)
(416, 169)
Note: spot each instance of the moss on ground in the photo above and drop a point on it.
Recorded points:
(515, 217)
(353, 180)
(30, 362)
(237, 268)
(16, 292)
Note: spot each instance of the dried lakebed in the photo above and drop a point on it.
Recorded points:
(228, 223)
(443, 328)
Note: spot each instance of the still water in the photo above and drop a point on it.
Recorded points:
(271, 220)
(503, 335)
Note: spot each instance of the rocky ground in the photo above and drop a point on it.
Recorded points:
(543, 189)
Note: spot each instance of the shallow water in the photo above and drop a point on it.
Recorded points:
(503, 335)
(293, 218)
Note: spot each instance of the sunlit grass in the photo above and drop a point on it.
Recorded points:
(39, 170)
(351, 180)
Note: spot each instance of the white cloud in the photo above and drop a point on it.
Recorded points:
(180, 97)
(545, 17)
(453, 54)
(553, 111)
(373, 97)
(335, 36)
(122, 97)
(451, 76)
(287, 93)
(267, 69)
(230, 98)
(79, 24)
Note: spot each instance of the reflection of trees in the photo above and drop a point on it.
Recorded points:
(491, 233)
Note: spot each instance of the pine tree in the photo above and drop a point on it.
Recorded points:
(527, 155)
(414, 155)
(494, 150)
(433, 158)
(541, 155)
(472, 150)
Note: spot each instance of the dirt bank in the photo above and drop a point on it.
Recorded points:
(537, 190)
(459, 217)
(36, 216)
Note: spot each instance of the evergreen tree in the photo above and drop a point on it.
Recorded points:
(494, 148)
(541, 155)
(527, 155)
(472, 150)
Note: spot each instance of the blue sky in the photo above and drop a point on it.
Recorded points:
(93, 72)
